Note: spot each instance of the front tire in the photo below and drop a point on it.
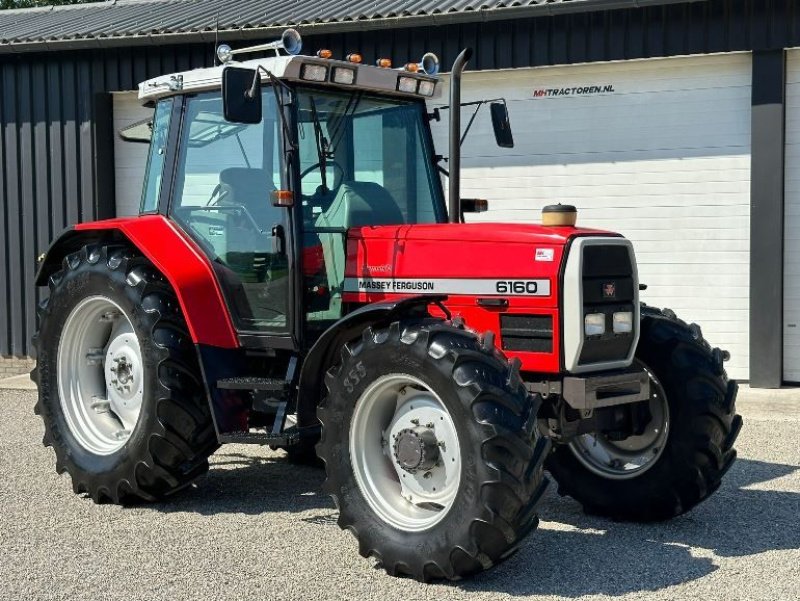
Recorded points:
(693, 449)
(430, 405)
(119, 389)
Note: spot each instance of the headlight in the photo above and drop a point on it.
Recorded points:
(407, 84)
(594, 324)
(623, 322)
(314, 73)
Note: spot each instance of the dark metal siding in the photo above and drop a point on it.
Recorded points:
(54, 135)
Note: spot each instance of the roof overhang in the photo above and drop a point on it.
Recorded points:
(345, 24)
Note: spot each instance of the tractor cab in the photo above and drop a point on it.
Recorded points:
(271, 172)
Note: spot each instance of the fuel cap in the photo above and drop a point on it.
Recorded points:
(559, 215)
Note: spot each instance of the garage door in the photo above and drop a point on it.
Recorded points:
(791, 261)
(129, 157)
(658, 150)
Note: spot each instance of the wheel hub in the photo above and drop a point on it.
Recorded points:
(416, 449)
(405, 452)
(123, 370)
(100, 375)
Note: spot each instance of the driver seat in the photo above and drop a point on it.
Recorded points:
(251, 189)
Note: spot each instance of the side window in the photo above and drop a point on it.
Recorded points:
(155, 159)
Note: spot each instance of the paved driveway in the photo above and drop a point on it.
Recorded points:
(258, 528)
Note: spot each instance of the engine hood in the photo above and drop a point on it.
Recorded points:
(518, 233)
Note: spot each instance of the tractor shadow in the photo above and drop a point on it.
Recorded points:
(598, 556)
(571, 554)
(252, 483)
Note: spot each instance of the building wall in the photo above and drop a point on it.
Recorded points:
(56, 133)
(659, 151)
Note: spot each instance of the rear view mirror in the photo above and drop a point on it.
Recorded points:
(239, 103)
(501, 125)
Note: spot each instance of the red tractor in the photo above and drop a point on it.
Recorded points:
(295, 278)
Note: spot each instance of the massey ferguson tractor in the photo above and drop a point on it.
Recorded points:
(296, 279)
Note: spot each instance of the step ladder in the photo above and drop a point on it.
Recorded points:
(270, 397)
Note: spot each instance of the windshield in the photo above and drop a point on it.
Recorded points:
(365, 160)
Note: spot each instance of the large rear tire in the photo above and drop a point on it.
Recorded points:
(430, 405)
(120, 392)
(690, 439)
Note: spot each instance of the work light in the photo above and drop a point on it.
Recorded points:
(314, 72)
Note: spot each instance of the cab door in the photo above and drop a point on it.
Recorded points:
(224, 176)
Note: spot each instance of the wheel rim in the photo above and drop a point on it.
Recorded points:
(629, 458)
(100, 375)
(405, 452)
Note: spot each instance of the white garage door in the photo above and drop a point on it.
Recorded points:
(129, 157)
(658, 150)
(791, 249)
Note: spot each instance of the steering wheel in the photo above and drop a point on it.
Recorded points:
(317, 165)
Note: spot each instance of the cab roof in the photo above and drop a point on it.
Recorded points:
(290, 68)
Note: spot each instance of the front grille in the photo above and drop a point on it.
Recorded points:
(608, 287)
(532, 333)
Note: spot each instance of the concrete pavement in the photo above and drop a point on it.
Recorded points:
(257, 527)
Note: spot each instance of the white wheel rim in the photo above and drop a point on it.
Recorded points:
(629, 458)
(389, 408)
(100, 375)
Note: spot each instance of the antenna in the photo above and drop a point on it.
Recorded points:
(290, 41)
(216, 37)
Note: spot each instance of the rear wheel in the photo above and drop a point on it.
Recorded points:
(431, 450)
(119, 388)
(686, 449)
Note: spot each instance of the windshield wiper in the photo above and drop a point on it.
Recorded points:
(322, 144)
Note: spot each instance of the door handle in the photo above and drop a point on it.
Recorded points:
(278, 240)
(493, 302)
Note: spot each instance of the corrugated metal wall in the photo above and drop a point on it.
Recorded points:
(55, 150)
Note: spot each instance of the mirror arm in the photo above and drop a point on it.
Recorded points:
(471, 121)
(251, 93)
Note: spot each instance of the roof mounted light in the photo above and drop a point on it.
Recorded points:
(411, 67)
(355, 57)
(385, 63)
(324, 53)
(312, 72)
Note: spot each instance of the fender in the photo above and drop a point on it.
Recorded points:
(174, 254)
(325, 349)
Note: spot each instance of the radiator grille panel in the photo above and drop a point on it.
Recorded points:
(531, 333)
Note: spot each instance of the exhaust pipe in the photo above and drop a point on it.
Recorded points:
(454, 185)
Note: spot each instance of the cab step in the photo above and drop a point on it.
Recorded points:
(253, 383)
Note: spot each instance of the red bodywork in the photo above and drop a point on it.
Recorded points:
(485, 251)
(473, 253)
(188, 270)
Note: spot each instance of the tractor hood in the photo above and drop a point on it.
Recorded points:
(418, 258)
(517, 233)
(495, 273)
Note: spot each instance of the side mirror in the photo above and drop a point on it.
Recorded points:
(501, 125)
(239, 103)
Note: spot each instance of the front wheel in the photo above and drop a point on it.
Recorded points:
(431, 450)
(685, 450)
